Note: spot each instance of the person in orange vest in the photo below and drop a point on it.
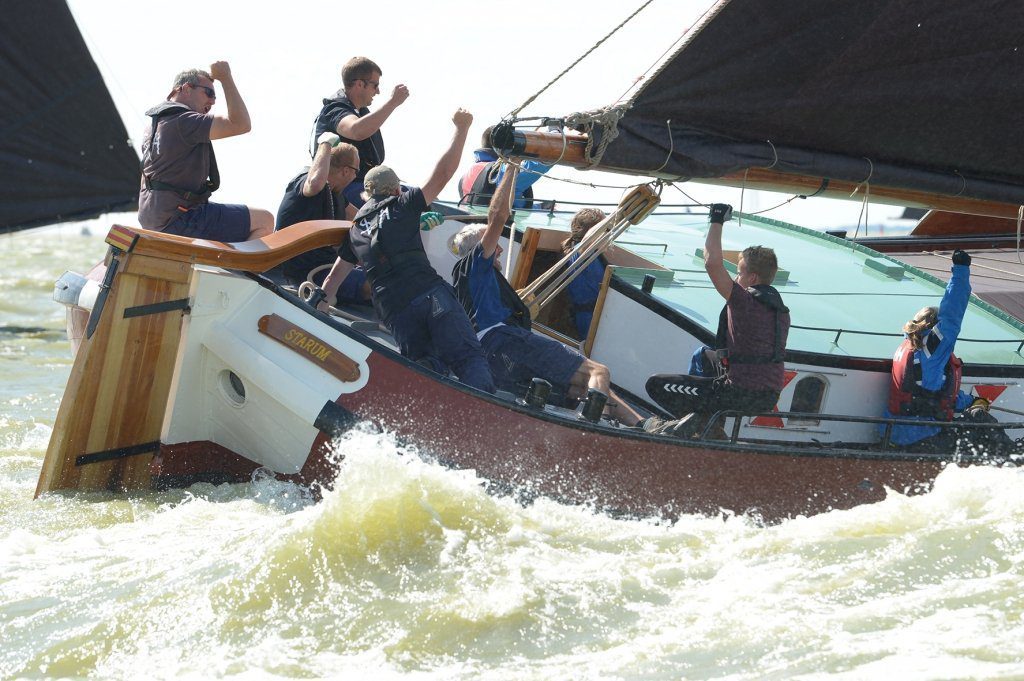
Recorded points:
(480, 182)
(925, 382)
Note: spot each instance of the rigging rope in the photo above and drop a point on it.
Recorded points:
(522, 106)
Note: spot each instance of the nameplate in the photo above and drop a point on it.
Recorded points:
(309, 346)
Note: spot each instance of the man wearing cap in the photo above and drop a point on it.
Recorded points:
(346, 113)
(414, 302)
(179, 168)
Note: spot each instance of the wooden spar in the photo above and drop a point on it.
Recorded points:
(569, 150)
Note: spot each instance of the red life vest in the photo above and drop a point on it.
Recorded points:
(908, 398)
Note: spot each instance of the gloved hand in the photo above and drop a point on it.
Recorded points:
(720, 213)
(329, 137)
(979, 403)
(429, 220)
(961, 258)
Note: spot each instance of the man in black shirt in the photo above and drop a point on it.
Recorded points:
(418, 306)
(347, 115)
(318, 194)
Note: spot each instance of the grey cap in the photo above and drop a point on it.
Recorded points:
(380, 181)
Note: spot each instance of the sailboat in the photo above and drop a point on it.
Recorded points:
(195, 367)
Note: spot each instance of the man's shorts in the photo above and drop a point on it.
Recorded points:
(227, 222)
(517, 356)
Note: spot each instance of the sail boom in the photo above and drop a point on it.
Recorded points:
(555, 148)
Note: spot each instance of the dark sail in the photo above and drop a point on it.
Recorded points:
(917, 94)
(64, 151)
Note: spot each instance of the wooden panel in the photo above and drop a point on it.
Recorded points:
(118, 389)
(941, 223)
(524, 263)
(595, 321)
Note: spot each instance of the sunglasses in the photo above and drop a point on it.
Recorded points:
(210, 92)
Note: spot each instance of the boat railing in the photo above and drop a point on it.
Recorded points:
(883, 443)
(883, 334)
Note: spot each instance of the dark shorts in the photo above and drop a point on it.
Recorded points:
(517, 356)
(227, 222)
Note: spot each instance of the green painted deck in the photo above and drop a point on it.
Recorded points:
(830, 283)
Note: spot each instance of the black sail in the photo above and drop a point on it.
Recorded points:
(916, 94)
(64, 151)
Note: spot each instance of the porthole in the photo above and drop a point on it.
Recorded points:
(808, 396)
(232, 387)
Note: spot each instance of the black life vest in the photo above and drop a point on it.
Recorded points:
(509, 298)
(908, 398)
(770, 297)
(210, 185)
(478, 186)
(378, 261)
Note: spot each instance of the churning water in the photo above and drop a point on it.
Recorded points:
(407, 569)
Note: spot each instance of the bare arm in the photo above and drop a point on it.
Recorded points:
(237, 121)
(497, 214)
(713, 261)
(316, 178)
(449, 161)
(360, 127)
(335, 278)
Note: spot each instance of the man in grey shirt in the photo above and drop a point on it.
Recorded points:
(179, 168)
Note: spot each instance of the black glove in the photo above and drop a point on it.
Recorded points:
(720, 213)
(961, 258)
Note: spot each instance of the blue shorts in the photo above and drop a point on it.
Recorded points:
(517, 356)
(227, 222)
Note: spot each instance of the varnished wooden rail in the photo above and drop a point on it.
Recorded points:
(257, 255)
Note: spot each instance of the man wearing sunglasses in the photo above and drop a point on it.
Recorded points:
(346, 114)
(318, 194)
(179, 168)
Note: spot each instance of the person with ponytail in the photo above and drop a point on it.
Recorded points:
(925, 383)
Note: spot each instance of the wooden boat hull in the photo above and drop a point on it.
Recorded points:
(243, 376)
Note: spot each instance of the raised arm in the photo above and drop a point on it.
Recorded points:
(316, 178)
(954, 302)
(237, 120)
(449, 161)
(360, 127)
(497, 214)
(713, 263)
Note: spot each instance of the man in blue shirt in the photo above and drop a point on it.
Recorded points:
(514, 353)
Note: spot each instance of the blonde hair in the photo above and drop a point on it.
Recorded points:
(926, 318)
(343, 155)
(581, 223)
(466, 240)
(761, 261)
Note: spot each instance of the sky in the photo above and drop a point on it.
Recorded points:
(487, 56)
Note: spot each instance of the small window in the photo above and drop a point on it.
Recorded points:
(808, 397)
